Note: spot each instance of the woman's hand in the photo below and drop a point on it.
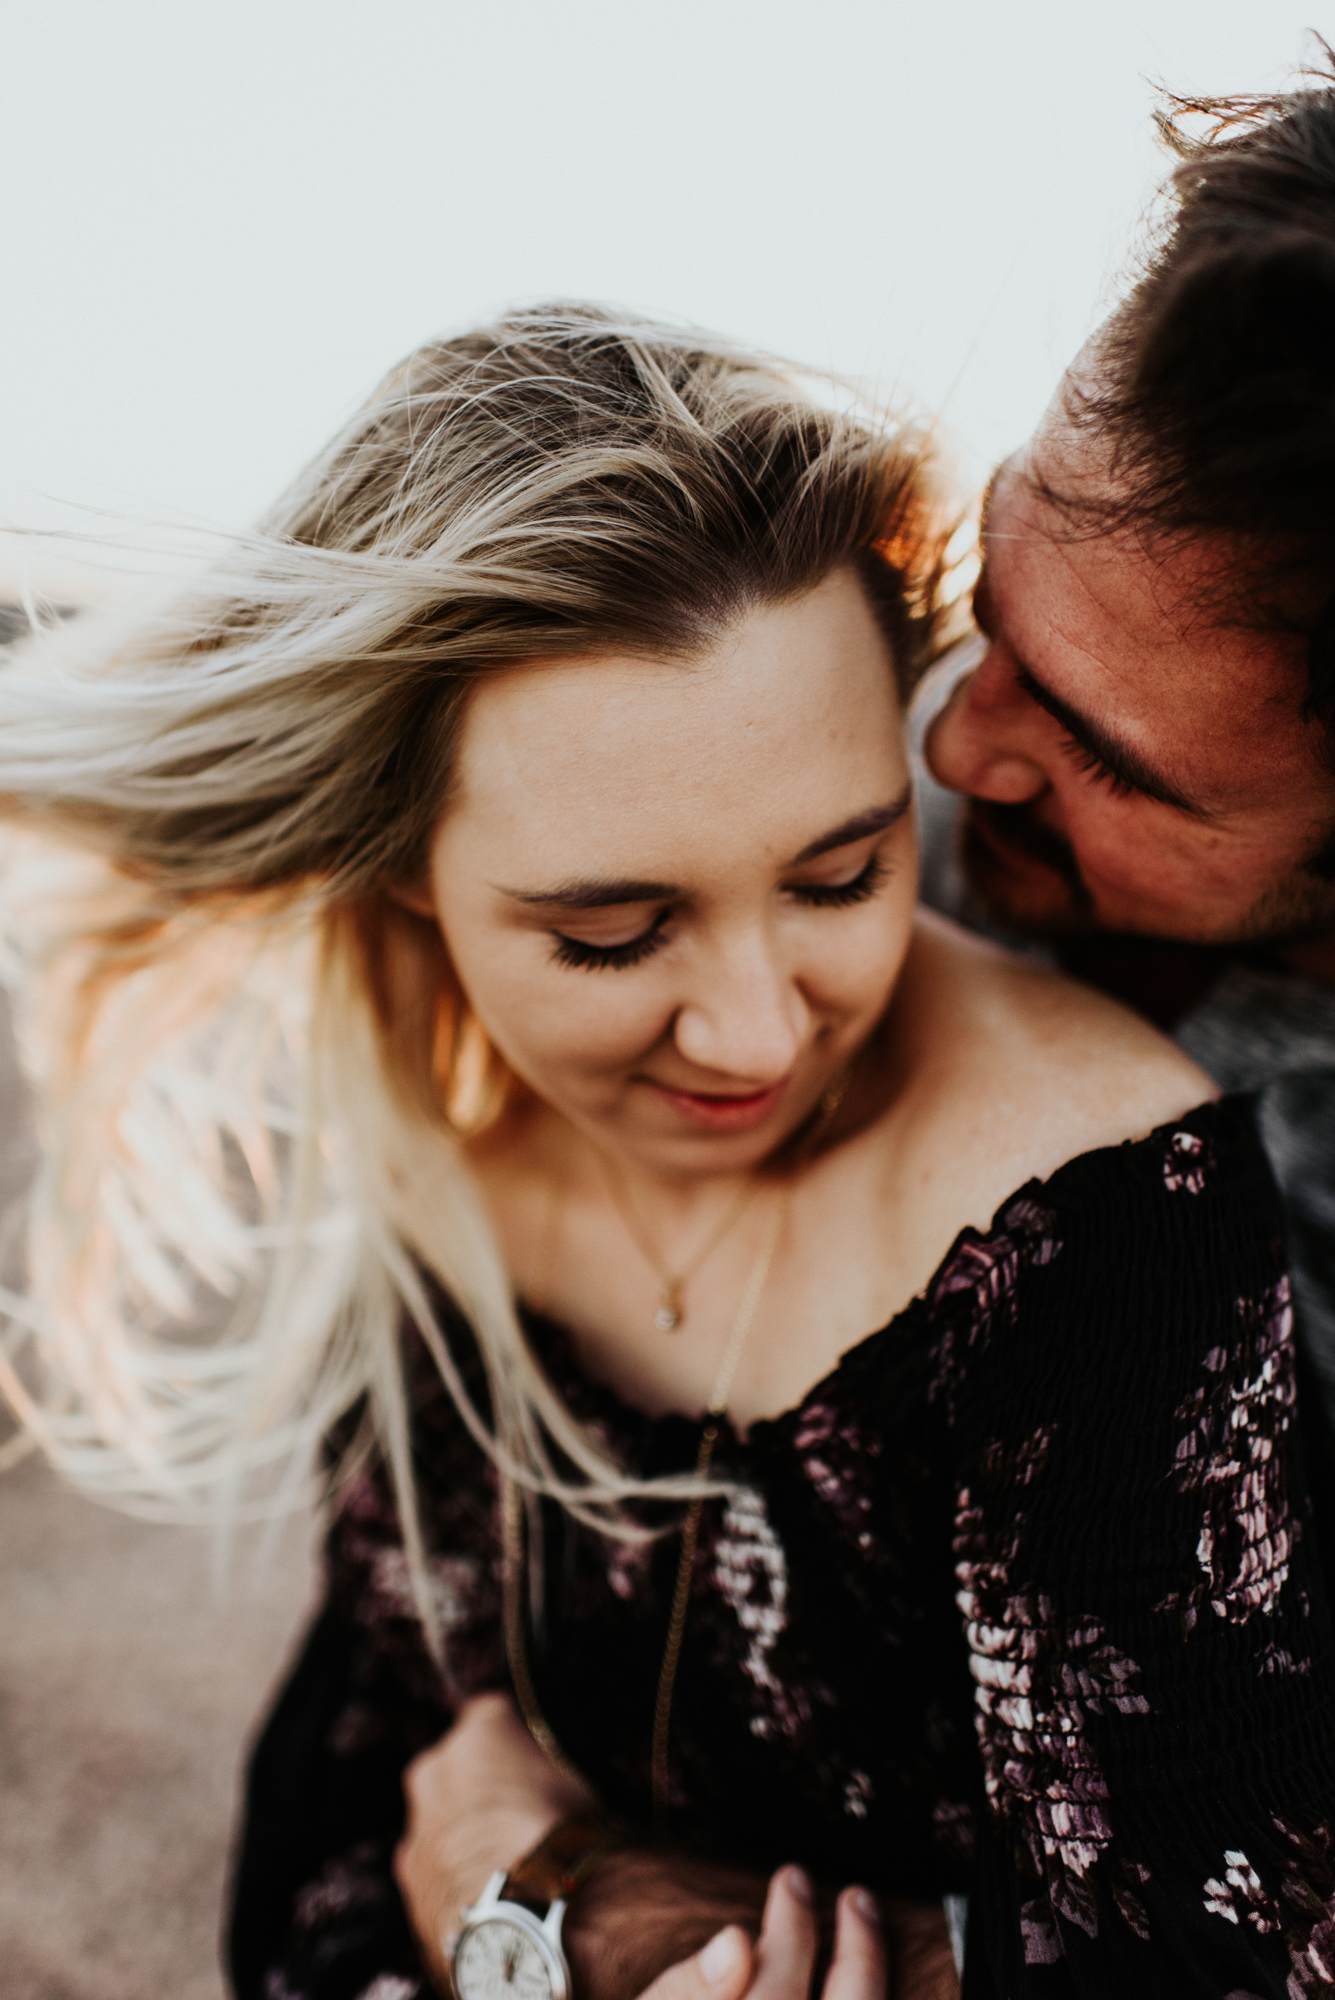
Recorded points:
(640, 1910)
(485, 1794)
(643, 1909)
(477, 1801)
(779, 1965)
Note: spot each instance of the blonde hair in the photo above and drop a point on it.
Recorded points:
(254, 1067)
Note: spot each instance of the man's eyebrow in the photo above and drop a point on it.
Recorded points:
(1126, 765)
(876, 820)
(595, 893)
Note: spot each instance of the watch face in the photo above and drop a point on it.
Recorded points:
(496, 1960)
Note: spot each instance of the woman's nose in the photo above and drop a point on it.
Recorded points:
(748, 1020)
(979, 742)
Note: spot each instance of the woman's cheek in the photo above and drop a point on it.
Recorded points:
(601, 1032)
(547, 1019)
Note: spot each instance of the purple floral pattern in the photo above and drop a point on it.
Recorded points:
(840, 1458)
(975, 1294)
(1040, 1677)
(465, 1587)
(750, 1574)
(921, 1639)
(1188, 1159)
(1301, 1911)
(1237, 1416)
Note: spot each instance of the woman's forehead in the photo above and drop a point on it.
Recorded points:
(797, 693)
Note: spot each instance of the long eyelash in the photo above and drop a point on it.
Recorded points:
(859, 890)
(619, 957)
(608, 957)
(1086, 761)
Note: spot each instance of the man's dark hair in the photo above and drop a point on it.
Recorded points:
(1216, 378)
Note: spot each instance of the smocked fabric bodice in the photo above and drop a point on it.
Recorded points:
(1025, 1601)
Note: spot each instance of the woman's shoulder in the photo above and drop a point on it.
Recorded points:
(1069, 1067)
(1014, 1071)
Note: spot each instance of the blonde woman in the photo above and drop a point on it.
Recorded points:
(796, 1387)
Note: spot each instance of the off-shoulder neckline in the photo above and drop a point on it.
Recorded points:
(554, 1334)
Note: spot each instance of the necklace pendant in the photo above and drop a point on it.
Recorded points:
(668, 1317)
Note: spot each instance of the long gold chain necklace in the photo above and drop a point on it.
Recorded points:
(671, 1310)
(690, 1534)
(512, 1505)
(512, 1544)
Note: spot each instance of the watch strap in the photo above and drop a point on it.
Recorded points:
(553, 1870)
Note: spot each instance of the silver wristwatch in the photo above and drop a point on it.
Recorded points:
(510, 1945)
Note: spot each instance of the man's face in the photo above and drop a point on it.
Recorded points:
(1132, 766)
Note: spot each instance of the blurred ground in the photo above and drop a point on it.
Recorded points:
(127, 1690)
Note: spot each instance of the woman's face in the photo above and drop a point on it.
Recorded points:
(678, 896)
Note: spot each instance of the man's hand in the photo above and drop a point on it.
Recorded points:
(477, 1801)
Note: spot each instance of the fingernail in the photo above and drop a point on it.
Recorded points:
(866, 1906)
(721, 1958)
(798, 1883)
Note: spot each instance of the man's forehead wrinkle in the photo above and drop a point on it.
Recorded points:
(1084, 639)
(1075, 641)
(1184, 578)
(1112, 739)
(1134, 588)
(1175, 616)
(1140, 631)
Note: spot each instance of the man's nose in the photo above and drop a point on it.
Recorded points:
(748, 1019)
(978, 743)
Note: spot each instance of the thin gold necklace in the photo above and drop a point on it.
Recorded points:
(512, 1543)
(671, 1310)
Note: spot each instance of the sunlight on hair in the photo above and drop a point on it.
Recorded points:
(253, 1066)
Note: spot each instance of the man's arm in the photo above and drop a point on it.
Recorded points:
(485, 1794)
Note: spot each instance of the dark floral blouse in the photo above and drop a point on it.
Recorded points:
(1026, 1601)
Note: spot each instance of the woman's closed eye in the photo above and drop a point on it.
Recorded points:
(588, 956)
(611, 957)
(859, 888)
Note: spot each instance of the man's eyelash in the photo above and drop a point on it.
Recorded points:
(1085, 760)
(824, 896)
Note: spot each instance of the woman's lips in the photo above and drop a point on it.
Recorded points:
(715, 1113)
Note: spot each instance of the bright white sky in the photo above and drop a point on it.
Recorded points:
(225, 221)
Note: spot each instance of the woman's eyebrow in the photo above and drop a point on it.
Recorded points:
(594, 893)
(876, 820)
(599, 893)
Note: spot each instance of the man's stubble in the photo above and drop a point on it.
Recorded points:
(1296, 910)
